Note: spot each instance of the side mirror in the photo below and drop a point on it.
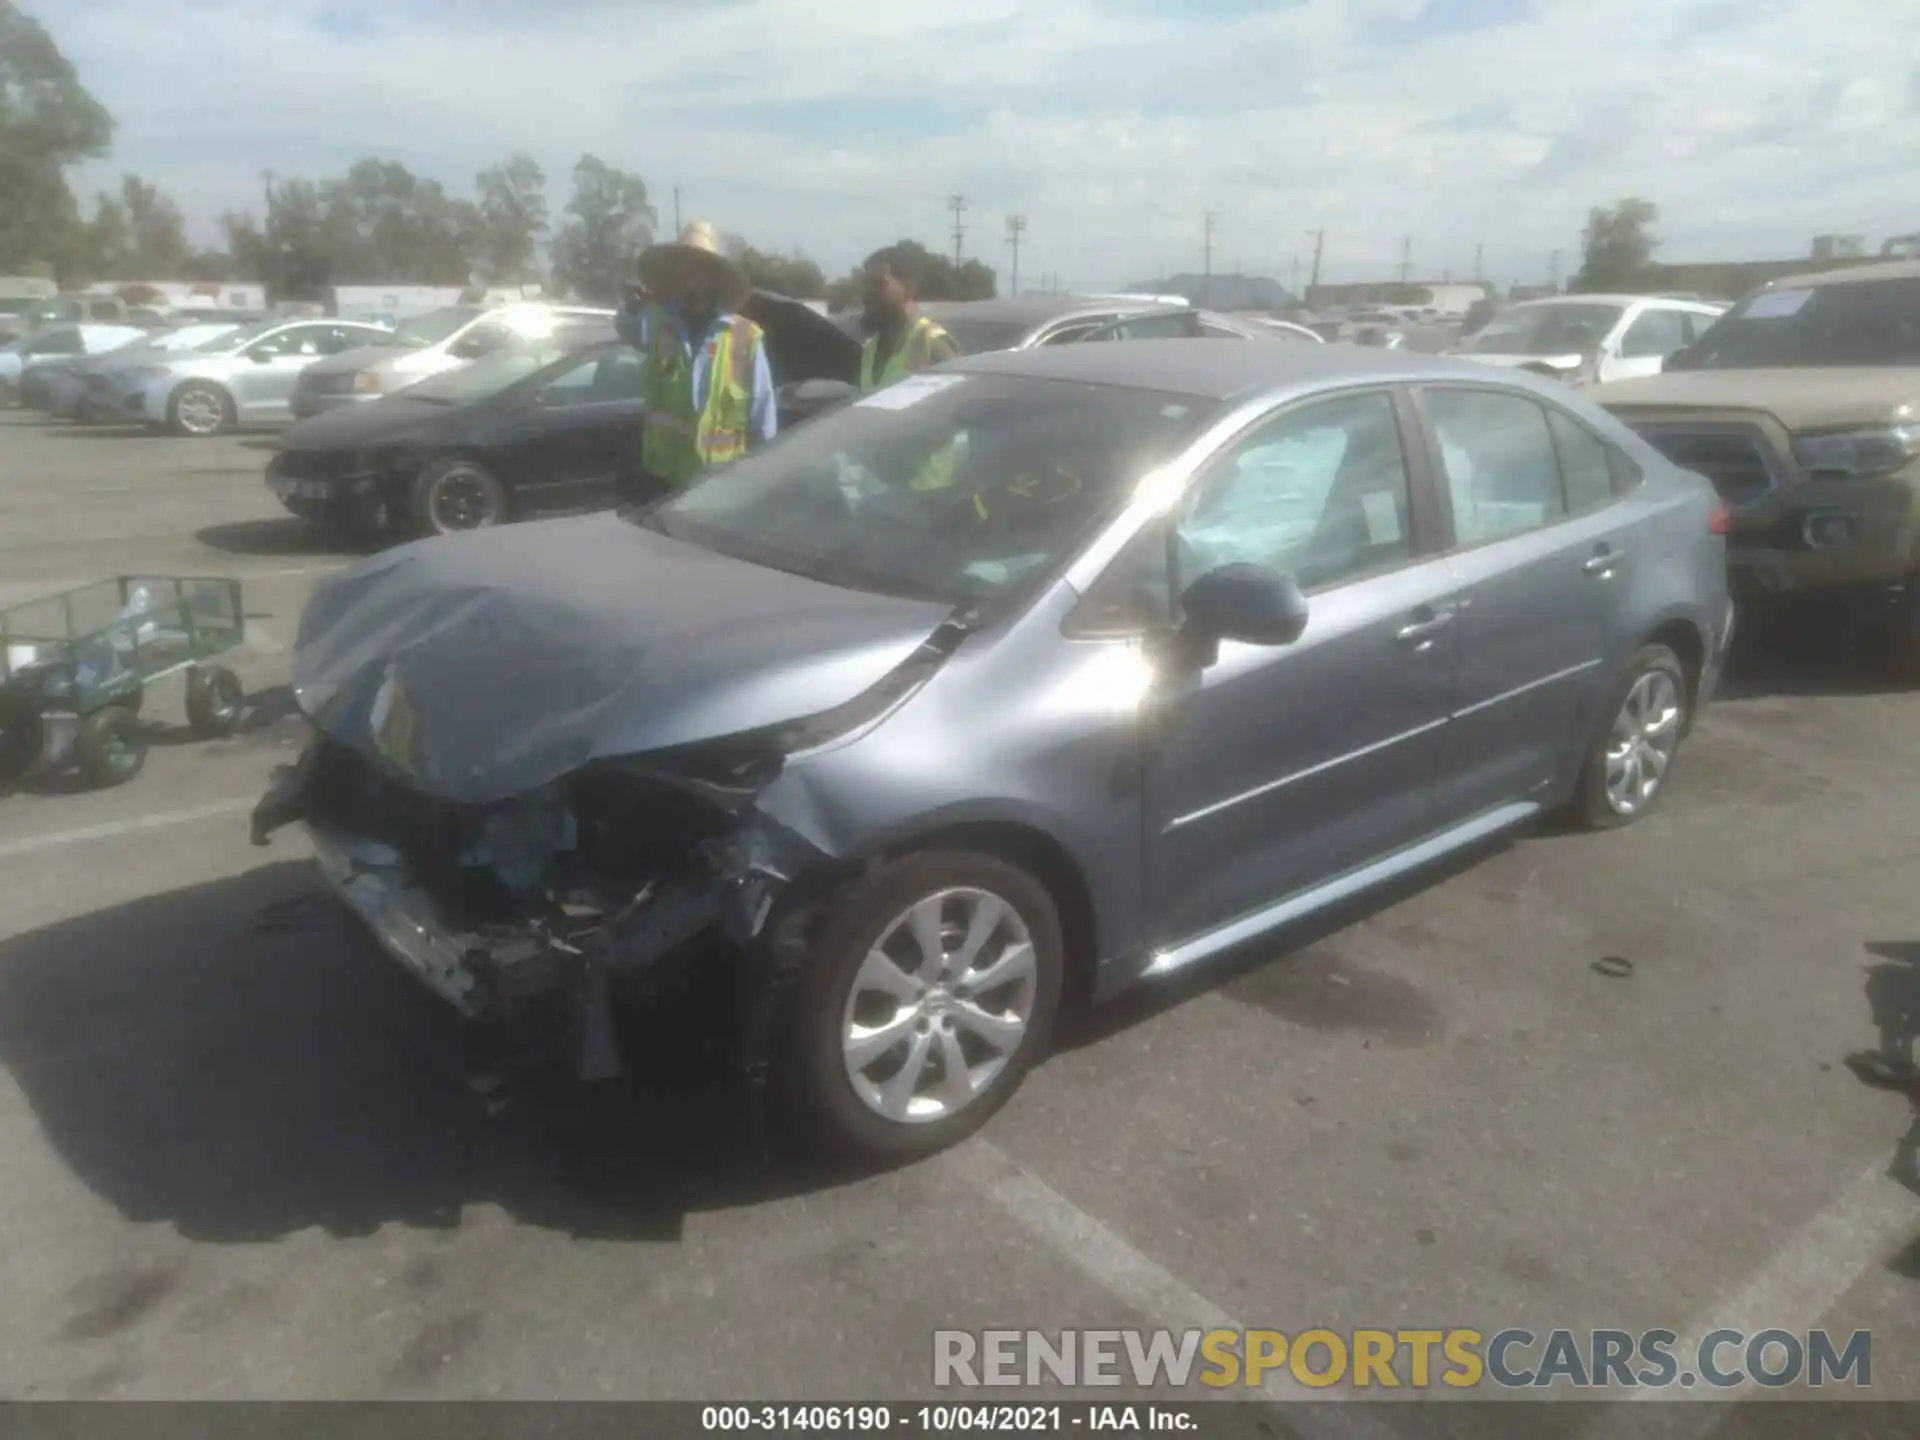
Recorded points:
(1247, 603)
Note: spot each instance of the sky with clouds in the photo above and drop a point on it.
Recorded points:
(1113, 126)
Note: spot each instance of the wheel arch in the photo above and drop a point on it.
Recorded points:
(1683, 635)
(220, 388)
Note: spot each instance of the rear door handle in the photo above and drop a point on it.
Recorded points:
(1605, 563)
(1423, 629)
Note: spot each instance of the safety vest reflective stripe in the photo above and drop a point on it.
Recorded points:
(681, 441)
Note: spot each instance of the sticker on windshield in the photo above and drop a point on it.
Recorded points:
(1777, 304)
(910, 391)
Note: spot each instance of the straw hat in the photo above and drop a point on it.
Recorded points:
(698, 245)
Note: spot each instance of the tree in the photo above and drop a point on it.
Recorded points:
(157, 232)
(48, 121)
(1618, 246)
(512, 217)
(791, 275)
(936, 277)
(109, 240)
(609, 223)
(383, 224)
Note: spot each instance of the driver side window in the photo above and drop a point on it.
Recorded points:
(1320, 493)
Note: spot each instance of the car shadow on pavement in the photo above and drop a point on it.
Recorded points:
(1297, 976)
(287, 536)
(236, 1060)
(1808, 656)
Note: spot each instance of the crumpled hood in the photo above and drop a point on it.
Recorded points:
(1808, 399)
(483, 666)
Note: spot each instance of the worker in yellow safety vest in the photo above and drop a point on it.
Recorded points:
(900, 340)
(705, 378)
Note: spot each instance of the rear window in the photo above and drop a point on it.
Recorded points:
(1853, 323)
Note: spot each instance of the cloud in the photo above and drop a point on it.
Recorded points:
(1112, 125)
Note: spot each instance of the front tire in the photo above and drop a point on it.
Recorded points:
(457, 494)
(199, 409)
(1630, 761)
(931, 992)
(215, 701)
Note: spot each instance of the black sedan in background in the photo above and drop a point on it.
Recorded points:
(545, 430)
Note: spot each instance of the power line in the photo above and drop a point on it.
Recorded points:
(1016, 227)
(958, 205)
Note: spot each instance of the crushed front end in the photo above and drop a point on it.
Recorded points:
(611, 882)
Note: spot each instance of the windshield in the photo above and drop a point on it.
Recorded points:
(1858, 322)
(484, 377)
(959, 488)
(1545, 330)
(979, 337)
(234, 339)
(434, 326)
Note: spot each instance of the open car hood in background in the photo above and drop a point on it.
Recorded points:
(482, 666)
(802, 343)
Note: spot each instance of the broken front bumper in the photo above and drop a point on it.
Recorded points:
(471, 969)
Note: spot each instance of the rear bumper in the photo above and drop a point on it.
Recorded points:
(1826, 536)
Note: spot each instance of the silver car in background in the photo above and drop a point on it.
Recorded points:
(427, 345)
(237, 378)
(69, 393)
(1197, 641)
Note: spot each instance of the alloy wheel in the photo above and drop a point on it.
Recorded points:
(463, 500)
(939, 1006)
(1640, 747)
(201, 411)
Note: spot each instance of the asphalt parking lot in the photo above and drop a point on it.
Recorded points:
(240, 1164)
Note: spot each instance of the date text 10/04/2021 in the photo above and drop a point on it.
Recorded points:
(946, 1419)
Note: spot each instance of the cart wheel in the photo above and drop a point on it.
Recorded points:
(111, 746)
(20, 740)
(214, 701)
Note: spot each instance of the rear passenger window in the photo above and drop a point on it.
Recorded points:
(1584, 468)
(1503, 476)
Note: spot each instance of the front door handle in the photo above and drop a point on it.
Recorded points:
(1421, 630)
(1603, 563)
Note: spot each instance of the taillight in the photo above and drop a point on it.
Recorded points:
(1719, 518)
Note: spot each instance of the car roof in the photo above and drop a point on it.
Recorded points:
(1850, 275)
(1213, 370)
(1034, 309)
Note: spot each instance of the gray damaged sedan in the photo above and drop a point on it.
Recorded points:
(1045, 673)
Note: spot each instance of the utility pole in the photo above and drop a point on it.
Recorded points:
(1319, 244)
(1406, 257)
(1016, 227)
(1207, 272)
(1478, 252)
(1294, 288)
(1553, 270)
(957, 204)
(676, 212)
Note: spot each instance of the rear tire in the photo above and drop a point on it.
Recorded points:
(457, 494)
(1643, 723)
(993, 1014)
(111, 748)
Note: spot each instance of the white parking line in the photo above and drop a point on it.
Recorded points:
(1110, 1260)
(1793, 1291)
(161, 820)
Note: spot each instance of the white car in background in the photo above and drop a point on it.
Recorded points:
(428, 345)
(241, 377)
(1590, 339)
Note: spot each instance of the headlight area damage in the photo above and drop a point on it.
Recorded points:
(612, 879)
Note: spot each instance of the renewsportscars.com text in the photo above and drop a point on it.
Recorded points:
(1401, 1358)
